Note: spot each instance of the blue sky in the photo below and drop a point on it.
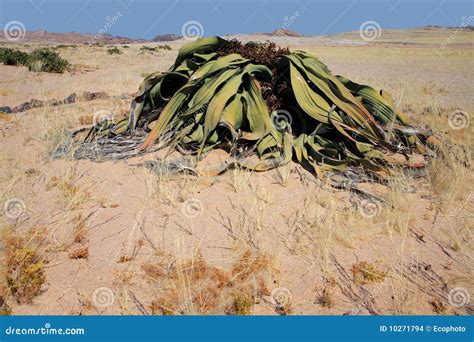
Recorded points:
(146, 18)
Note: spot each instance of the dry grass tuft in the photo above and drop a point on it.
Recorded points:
(439, 307)
(243, 304)
(86, 120)
(79, 253)
(125, 258)
(24, 263)
(398, 214)
(162, 307)
(74, 196)
(326, 299)
(5, 309)
(366, 273)
(79, 229)
(166, 189)
(56, 127)
(196, 287)
(239, 179)
(6, 118)
(321, 224)
(154, 271)
(449, 176)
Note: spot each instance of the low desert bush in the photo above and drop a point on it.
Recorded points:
(47, 60)
(24, 263)
(197, 287)
(114, 51)
(13, 57)
(145, 48)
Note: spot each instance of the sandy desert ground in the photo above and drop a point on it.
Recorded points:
(85, 237)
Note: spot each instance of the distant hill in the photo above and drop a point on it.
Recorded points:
(285, 33)
(436, 27)
(166, 37)
(43, 36)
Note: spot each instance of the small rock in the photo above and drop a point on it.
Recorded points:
(31, 172)
(28, 105)
(5, 109)
(71, 98)
(88, 96)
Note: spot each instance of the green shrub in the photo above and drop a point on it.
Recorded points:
(156, 48)
(147, 49)
(39, 60)
(114, 51)
(13, 57)
(47, 60)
